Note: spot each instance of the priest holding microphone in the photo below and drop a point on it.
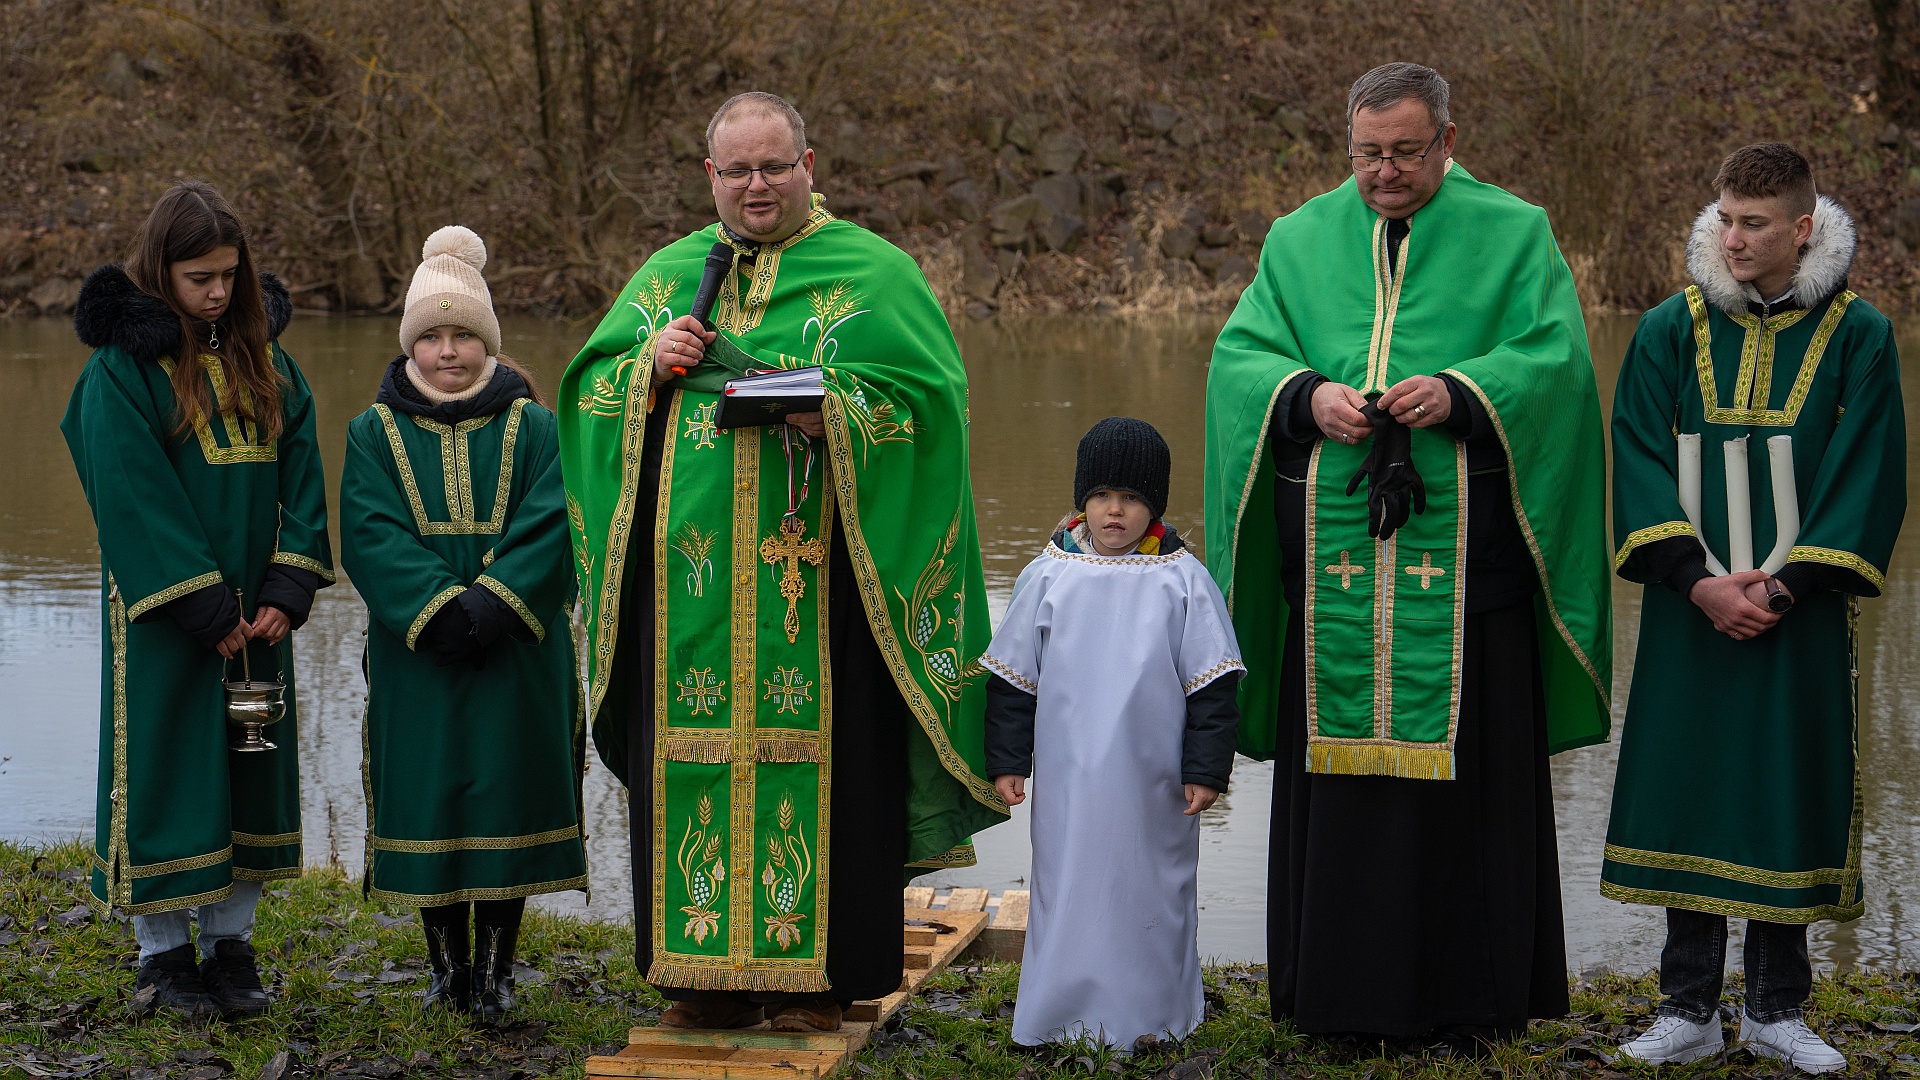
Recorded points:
(1757, 418)
(782, 587)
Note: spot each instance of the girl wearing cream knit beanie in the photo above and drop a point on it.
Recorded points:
(455, 532)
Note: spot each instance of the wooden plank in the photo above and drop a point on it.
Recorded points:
(919, 896)
(998, 943)
(694, 1053)
(1013, 909)
(918, 959)
(760, 1053)
(967, 900)
(922, 935)
(729, 1064)
(743, 1064)
(967, 926)
(759, 1036)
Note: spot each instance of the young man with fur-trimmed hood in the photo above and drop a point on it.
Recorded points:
(1759, 482)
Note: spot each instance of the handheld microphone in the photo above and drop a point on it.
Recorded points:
(719, 262)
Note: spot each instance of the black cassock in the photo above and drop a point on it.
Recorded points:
(868, 799)
(1401, 907)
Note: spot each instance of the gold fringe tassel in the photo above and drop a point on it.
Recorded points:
(1329, 756)
(702, 977)
(692, 748)
(790, 749)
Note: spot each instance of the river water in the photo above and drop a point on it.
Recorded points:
(1037, 384)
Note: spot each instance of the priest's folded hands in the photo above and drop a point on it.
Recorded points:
(1417, 401)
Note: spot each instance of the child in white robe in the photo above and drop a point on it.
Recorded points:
(1112, 683)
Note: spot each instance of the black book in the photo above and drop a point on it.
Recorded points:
(769, 397)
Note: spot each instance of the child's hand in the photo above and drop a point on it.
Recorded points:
(1013, 788)
(1199, 797)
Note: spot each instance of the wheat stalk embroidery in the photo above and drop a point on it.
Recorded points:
(695, 546)
(789, 865)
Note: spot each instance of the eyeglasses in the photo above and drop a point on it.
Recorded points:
(1370, 163)
(775, 175)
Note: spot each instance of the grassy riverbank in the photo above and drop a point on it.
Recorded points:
(347, 972)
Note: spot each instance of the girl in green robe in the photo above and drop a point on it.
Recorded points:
(193, 434)
(455, 532)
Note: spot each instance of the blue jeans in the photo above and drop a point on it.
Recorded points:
(231, 918)
(1692, 967)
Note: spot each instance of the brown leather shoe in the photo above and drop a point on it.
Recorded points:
(713, 1015)
(815, 1012)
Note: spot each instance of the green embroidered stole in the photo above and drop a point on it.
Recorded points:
(1400, 601)
(743, 710)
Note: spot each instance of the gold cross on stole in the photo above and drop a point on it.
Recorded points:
(1345, 570)
(786, 546)
(1426, 571)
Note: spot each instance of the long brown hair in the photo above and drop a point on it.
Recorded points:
(515, 366)
(189, 221)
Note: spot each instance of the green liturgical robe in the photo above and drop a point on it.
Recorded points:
(1482, 295)
(1737, 791)
(179, 817)
(741, 536)
(473, 773)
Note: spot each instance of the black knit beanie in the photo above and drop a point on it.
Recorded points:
(1123, 454)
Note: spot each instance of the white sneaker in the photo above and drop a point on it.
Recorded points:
(1676, 1040)
(1793, 1042)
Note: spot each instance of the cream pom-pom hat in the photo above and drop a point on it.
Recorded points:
(448, 290)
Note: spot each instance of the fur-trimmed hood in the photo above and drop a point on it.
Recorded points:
(113, 311)
(1823, 268)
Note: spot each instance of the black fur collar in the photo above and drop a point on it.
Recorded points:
(113, 311)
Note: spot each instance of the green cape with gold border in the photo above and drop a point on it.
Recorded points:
(1484, 296)
(743, 696)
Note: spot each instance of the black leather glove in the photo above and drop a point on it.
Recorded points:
(1393, 484)
(449, 637)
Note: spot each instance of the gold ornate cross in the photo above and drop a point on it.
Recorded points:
(700, 427)
(1345, 570)
(786, 546)
(789, 689)
(1426, 571)
(702, 688)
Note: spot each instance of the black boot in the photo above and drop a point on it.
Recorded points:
(176, 983)
(493, 972)
(232, 980)
(450, 982)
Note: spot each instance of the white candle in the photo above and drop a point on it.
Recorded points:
(1689, 491)
(1786, 502)
(1739, 507)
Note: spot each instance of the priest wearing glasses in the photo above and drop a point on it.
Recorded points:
(1404, 507)
(784, 619)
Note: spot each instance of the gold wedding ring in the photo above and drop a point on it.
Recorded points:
(1419, 410)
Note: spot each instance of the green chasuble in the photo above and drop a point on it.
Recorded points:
(473, 776)
(1738, 789)
(742, 676)
(178, 817)
(1483, 295)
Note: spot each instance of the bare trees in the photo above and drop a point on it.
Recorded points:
(1897, 48)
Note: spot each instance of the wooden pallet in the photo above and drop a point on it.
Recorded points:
(760, 1053)
(1005, 938)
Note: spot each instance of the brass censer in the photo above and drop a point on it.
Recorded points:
(251, 705)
